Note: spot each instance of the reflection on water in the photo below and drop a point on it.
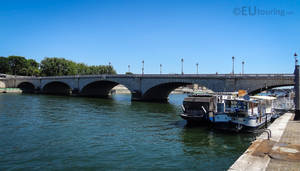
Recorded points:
(213, 148)
(55, 132)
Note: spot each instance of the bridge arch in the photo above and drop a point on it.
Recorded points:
(99, 88)
(161, 92)
(57, 88)
(26, 87)
(258, 90)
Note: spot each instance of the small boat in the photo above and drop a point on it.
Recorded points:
(243, 114)
(197, 108)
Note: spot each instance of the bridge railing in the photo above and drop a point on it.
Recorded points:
(156, 76)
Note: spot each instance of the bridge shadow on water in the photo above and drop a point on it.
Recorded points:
(120, 102)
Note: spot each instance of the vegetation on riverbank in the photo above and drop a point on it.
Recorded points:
(19, 65)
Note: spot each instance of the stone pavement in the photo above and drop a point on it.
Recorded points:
(281, 152)
(288, 148)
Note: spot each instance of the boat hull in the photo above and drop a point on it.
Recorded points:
(250, 124)
(235, 127)
(194, 119)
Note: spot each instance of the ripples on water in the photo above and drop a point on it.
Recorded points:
(61, 133)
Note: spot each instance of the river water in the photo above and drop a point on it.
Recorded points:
(40, 132)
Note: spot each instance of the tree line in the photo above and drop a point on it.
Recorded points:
(19, 65)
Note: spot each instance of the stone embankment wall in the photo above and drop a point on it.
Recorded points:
(10, 90)
(2, 85)
(4, 89)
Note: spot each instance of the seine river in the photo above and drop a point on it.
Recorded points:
(39, 132)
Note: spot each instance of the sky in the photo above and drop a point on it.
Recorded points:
(263, 33)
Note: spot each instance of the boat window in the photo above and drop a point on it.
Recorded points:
(228, 104)
(241, 105)
(232, 106)
(196, 107)
(220, 107)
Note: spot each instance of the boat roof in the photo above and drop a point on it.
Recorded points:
(198, 99)
(244, 100)
(202, 94)
(263, 97)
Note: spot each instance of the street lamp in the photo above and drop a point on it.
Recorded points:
(182, 66)
(296, 60)
(109, 64)
(243, 63)
(128, 68)
(160, 66)
(143, 62)
(197, 64)
(233, 65)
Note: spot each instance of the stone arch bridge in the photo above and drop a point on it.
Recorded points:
(147, 87)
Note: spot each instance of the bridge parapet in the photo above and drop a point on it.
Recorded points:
(157, 75)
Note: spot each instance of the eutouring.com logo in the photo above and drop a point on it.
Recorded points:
(255, 11)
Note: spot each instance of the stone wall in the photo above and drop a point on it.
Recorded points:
(2, 84)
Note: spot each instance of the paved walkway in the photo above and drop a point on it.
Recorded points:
(281, 152)
(289, 146)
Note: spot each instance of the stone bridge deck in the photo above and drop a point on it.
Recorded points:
(148, 86)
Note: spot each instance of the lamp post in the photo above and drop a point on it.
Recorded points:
(297, 89)
(160, 67)
(143, 62)
(233, 65)
(182, 66)
(109, 64)
(197, 64)
(128, 68)
(243, 63)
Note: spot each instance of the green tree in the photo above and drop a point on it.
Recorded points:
(4, 67)
(57, 67)
(17, 65)
(110, 70)
(101, 69)
(82, 69)
(32, 68)
(32, 63)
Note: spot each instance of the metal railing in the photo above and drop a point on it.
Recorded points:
(269, 133)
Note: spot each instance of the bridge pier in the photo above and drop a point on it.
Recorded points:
(136, 96)
(297, 93)
(75, 92)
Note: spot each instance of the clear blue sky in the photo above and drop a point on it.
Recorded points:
(209, 32)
